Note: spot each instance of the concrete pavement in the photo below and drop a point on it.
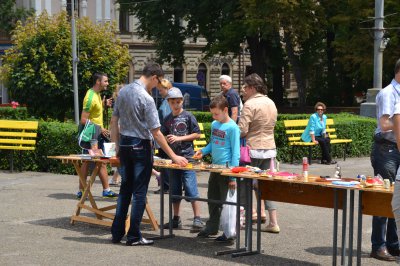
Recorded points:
(35, 213)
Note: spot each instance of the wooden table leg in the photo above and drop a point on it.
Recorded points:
(87, 189)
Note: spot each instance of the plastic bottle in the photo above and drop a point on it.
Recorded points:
(272, 165)
(305, 167)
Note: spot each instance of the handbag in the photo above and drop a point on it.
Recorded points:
(86, 133)
(244, 152)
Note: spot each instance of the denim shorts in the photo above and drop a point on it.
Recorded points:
(186, 178)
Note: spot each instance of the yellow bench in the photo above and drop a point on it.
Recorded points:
(18, 135)
(197, 143)
(294, 129)
(201, 142)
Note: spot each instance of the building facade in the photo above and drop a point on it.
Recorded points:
(196, 70)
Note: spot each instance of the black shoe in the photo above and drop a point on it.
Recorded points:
(115, 240)
(159, 191)
(394, 252)
(175, 224)
(140, 242)
(206, 233)
(223, 239)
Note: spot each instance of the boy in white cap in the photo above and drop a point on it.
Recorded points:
(181, 128)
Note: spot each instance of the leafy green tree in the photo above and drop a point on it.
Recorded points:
(38, 69)
(9, 15)
(225, 24)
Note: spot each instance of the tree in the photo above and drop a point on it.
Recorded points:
(321, 42)
(38, 69)
(225, 24)
(9, 15)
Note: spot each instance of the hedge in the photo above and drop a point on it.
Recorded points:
(56, 138)
(19, 113)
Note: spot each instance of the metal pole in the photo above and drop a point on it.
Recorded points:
(378, 38)
(74, 64)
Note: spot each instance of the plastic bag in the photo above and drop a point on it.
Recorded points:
(228, 215)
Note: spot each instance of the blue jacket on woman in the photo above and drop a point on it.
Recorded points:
(315, 126)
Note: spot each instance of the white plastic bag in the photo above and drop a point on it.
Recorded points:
(228, 215)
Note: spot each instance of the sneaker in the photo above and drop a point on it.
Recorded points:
(79, 194)
(175, 224)
(109, 194)
(206, 233)
(271, 229)
(223, 239)
(197, 224)
(140, 242)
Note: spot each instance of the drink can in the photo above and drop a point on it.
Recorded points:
(386, 183)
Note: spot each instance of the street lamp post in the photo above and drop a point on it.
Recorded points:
(243, 47)
(74, 64)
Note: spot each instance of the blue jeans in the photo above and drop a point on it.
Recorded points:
(385, 159)
(137, 162)
(177, 178)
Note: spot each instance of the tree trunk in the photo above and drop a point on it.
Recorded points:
(330, 53)
(296, 68)
(258, 55)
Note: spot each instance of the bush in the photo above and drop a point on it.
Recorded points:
(348, 126)
(19, 113)
(55, 138)
(203, 117)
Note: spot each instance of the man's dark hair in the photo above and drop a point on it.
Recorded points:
(397, 67)
(255, 81)
(152, 69)
(219, 102)
(97, 76)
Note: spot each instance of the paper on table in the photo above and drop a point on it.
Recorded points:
(333, 179)
(109, 149)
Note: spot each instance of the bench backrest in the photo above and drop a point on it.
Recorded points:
(18, 135)
(294, 129)
(201, 142)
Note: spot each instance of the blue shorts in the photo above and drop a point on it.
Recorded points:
(186, 178)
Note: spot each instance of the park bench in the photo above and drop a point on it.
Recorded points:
(18, 135)
(294, 129)
(201, 142)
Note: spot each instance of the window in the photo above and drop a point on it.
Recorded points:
(178, 74)
(202, 75)
(69, 7)
(124, 21)
(225, 70)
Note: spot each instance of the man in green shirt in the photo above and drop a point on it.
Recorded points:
(93, 110)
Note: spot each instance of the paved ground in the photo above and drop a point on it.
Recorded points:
(35, 230)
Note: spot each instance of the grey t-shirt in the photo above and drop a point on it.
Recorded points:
(136, 111)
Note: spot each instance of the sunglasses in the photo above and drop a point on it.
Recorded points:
(319, 109)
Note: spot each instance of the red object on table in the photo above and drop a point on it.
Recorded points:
(239, 169)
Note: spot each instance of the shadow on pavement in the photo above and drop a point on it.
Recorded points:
(64, 223)
(204, 247)
(327, 251)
